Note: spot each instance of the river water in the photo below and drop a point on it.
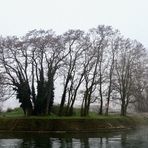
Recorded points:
(125, 139)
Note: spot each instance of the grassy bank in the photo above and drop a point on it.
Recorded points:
(65, 124)
(15, 121)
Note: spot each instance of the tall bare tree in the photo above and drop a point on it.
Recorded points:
(47, 54)
(129, 56)
(75, 45)
(15, 64)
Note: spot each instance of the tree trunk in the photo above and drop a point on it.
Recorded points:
(63, 96)
(123, 108)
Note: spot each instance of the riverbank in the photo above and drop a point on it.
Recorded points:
(39, 124)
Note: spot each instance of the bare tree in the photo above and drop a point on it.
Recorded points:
(74, 44)
(111, 67)
(30, 62)
(47, 52)
(94, 79)
(88, 84)
(12, 50)
(140, 86)
(129, 55)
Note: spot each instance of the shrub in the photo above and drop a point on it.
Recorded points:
(9, 110)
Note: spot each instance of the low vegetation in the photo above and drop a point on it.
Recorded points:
(18, 112)
(14, 120)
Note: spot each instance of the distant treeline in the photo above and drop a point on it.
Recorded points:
(99, 66)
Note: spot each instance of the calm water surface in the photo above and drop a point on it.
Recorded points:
(125, 139)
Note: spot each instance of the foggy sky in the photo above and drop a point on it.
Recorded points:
(17, 17)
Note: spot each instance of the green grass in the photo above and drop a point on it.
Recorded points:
(15, 120)
(18, 113)
(68, 124)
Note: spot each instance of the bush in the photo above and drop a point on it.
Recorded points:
(9, 110)
(55, 111)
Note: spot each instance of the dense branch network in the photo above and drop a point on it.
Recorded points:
(100, 66)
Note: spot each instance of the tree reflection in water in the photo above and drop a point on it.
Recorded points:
(135, 139)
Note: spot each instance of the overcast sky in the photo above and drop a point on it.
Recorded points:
(17, 17)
